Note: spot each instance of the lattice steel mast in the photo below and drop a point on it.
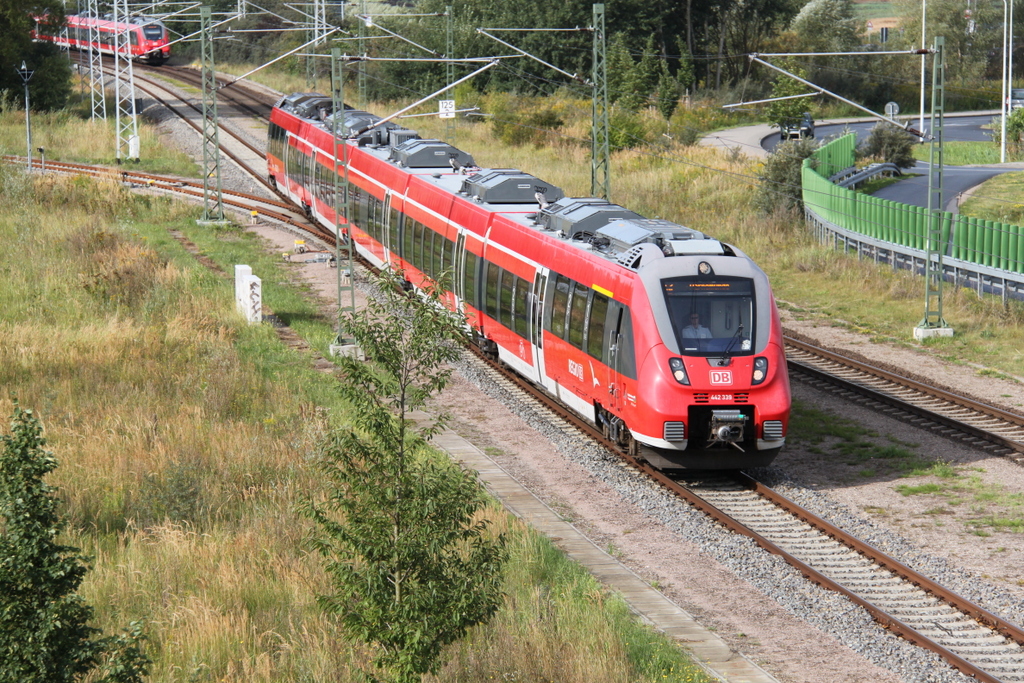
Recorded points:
(346, 273)
(213, 207)
(316, 36)
(127, 123)
(600, 179)
(933, 323)
(449, 67)
(97, 93)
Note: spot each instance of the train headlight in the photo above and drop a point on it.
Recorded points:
(760, 370)
(678, 370)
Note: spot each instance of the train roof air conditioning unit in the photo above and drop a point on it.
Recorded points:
(508, 186)
(430, 154)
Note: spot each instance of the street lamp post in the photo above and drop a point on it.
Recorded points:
(26, 75)
(924, 28)
(1005, 102)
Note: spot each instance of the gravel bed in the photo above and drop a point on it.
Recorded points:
(827, 612)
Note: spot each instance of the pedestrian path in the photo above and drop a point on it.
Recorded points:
(708, 650)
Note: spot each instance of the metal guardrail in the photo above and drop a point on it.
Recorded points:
(852, 176)
(960, 273)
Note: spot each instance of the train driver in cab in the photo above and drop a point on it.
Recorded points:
(695, 330)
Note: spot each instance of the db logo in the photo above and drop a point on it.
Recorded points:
(721, 377)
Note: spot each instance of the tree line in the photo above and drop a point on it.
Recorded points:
(673, 46)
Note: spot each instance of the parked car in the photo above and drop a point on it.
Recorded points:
(1016, 98)
(798, 129)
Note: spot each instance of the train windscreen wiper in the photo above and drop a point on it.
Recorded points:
(732, 343)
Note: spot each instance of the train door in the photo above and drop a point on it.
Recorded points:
(537, 322)
(384, 218)
(459, 273)
(618, 323)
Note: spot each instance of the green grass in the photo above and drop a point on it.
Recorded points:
(879, 182)
(71, 136)
(998, 199)
(961, 153)
(848, 441)
(184, 437)
(998, 509)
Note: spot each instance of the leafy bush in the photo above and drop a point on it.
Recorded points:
(626, 130)
(781, 182)
(891, 144)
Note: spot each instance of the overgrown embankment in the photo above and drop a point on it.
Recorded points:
(184, 440)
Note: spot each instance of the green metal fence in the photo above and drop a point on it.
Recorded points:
(971, 240)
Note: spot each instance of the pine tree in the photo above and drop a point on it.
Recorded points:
(620, 67)
(685, 74)
(44, 631)
(668, 93)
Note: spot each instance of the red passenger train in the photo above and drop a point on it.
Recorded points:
(666, 338)
(147, 38)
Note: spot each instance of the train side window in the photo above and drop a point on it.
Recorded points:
(560, 305)
(364, 212)
(424, 250)
(437, 256)
(508, 281)
(446, 273)
(414, 228)
(377, 218)
(595, 330)
(408, 238)
(521, 307)
(578, 314)
(444, 258)
(491, 293)
(469, 283)
(394, 230)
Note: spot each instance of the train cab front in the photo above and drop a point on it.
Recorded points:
(716, 387)
(154, 46)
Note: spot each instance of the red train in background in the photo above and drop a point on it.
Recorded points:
(666, 338)
(147, 38)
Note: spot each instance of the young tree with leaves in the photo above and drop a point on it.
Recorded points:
(44, 632)
(781, 178)
(411, 562)
(787, 111)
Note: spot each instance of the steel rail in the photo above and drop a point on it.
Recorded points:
(238, 200)
(886, 620)
(980, 409)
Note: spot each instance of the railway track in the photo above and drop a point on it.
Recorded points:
(971, 639)
(984, 426)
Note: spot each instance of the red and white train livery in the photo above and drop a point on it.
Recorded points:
(147, 38)
(666, 338)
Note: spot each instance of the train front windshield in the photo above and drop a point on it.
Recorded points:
(153, 31)
(711, 316)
